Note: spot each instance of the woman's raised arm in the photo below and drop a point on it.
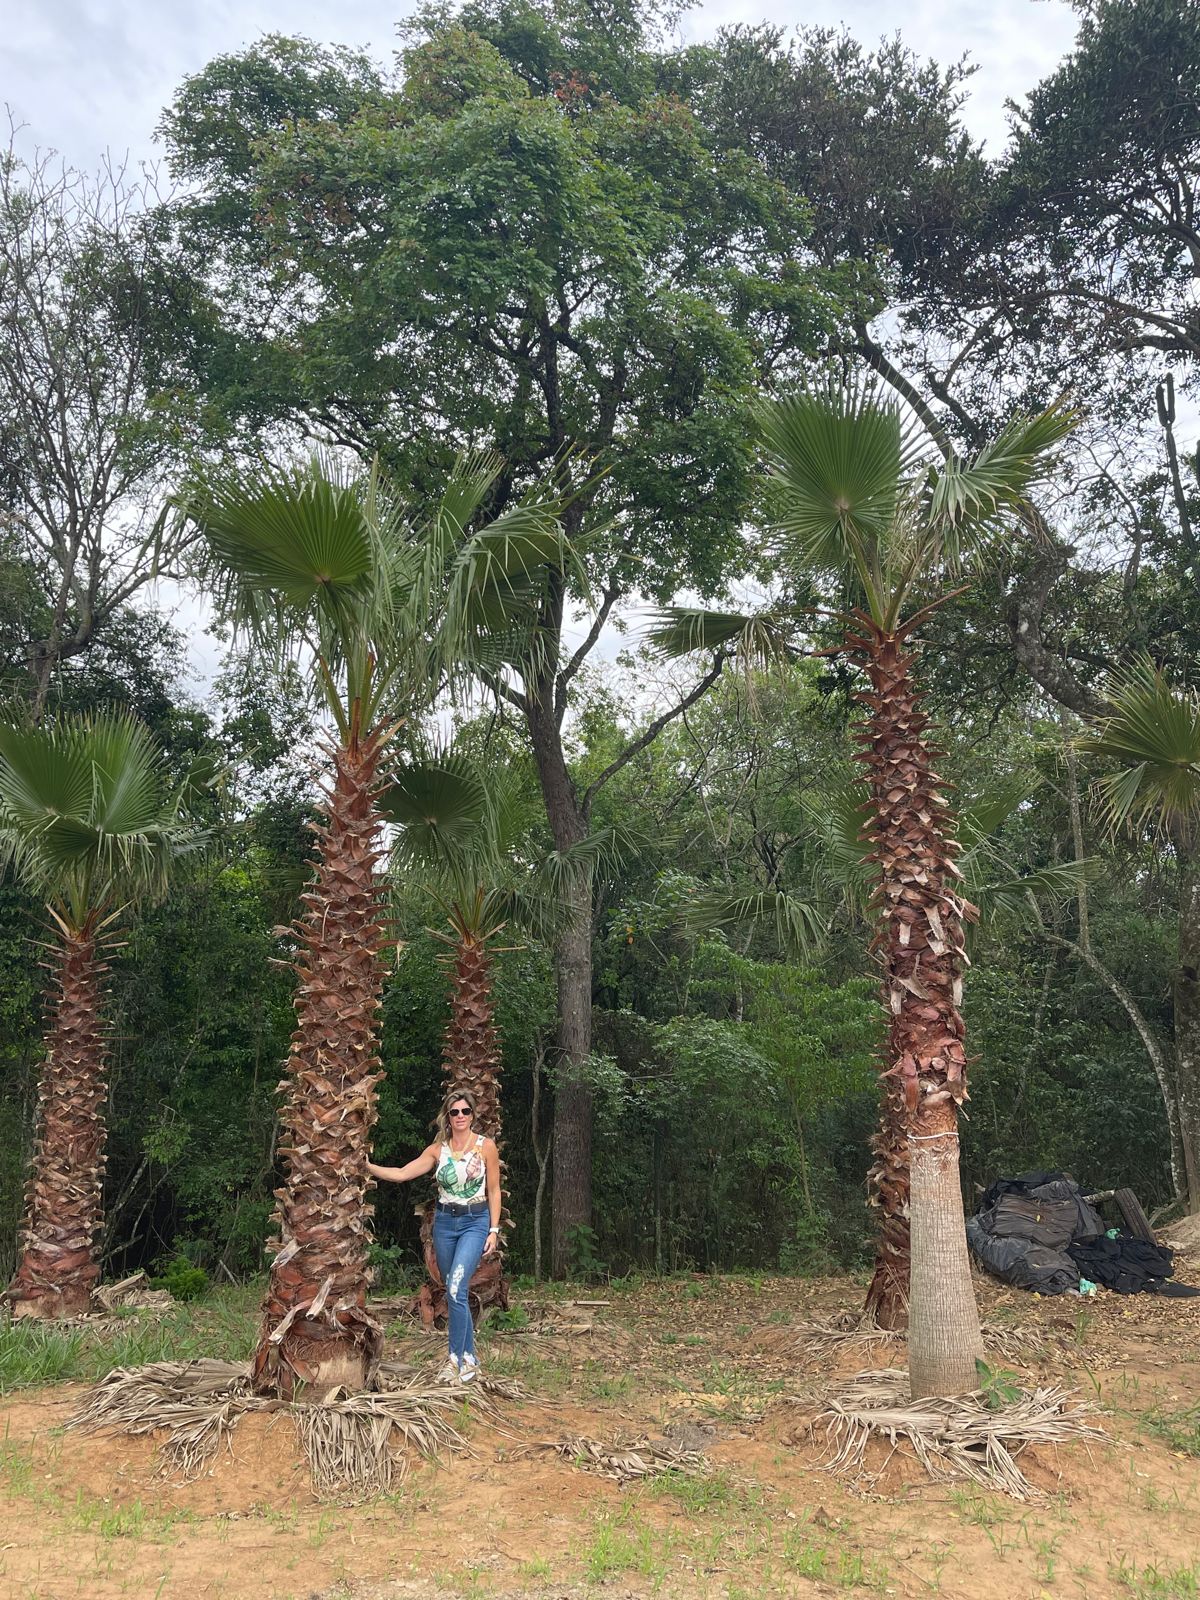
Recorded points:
(416, 1168)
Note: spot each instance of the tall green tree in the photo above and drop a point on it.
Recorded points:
(526, 240)
(330, 569)
(91, 822)
(862, 509)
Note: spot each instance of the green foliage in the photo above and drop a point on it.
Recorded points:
(222, 1325)
(998, 1386)
(584, 1262)
(185, 1280)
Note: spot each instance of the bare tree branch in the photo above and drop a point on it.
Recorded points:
(652, 731)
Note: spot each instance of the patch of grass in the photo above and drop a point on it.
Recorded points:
(1155, 1582)
(536, 1569)
(1179, 1430)
(538, 1372)
(814, 1558)
(597, 1384)
(978, 1509)
(514, 1320)
(623, 1543)
(222, 1325)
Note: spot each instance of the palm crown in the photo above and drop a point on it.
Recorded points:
(88, 814)
(312, 559)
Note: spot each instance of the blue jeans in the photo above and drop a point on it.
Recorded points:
(458, 1242)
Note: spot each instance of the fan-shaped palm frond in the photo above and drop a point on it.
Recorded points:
(966, 497)
(840, 458)
(1153, 736)
(757, 639)
(798, 925)
(440, 811)
(87, 811)
(859, 490)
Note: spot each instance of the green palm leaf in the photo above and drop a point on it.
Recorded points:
(294, 534)
(759, 638)
(798, 925)
(966, 498)
(87, 812)
(1153, 736)
(440, 809)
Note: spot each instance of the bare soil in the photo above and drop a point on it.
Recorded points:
(719, 1364)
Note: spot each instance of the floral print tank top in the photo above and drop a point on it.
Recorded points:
(463, 1177)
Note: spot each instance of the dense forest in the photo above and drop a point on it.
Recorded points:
(549, 231)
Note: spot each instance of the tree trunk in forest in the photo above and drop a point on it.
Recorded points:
(944, 1342)
(56, 1262)
(888, 1196)
(573, 1109)
(1187, 1019)
(470, 1061)
(316, 1327)
(920, 944)
(571, 1199)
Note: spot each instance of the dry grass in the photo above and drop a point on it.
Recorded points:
(956, 1438)
(350, 1440)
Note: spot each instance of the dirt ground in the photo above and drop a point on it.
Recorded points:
(719, 1364)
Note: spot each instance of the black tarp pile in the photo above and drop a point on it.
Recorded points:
(1038, 1232)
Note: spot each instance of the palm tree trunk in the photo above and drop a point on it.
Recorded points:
(920, 944)
(470, 1061)
(888, 1196)
(1187, 1020)
(56, 1262)
(316, 1327)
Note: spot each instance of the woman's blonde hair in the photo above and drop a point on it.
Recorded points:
(443, 1117)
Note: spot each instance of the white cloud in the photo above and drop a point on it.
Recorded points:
(89, 75)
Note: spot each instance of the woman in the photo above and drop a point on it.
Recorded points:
(468, 1198)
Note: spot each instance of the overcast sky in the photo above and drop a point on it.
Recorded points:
(90, 75)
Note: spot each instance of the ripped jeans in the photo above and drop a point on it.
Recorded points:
(458, 1241)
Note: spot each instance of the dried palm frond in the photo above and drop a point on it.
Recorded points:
(951, 1438)
(640, 1458)
(844, 1331)
(348, 1439)
(854, 1330)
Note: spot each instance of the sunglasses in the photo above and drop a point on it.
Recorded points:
(459, 1111)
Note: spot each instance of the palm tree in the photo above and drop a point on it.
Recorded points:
(843, 877)
(861, 504)
(1152, 734)
(329, 569)
(90, 821)
(457, 830)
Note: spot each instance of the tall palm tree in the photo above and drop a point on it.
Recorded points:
(457, 831)
(844, 876)
(331, 570)
(862, 505)
(1152, 734)
(91, 821)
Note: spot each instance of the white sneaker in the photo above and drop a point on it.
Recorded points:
(469, 1370)
(450, 1372)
